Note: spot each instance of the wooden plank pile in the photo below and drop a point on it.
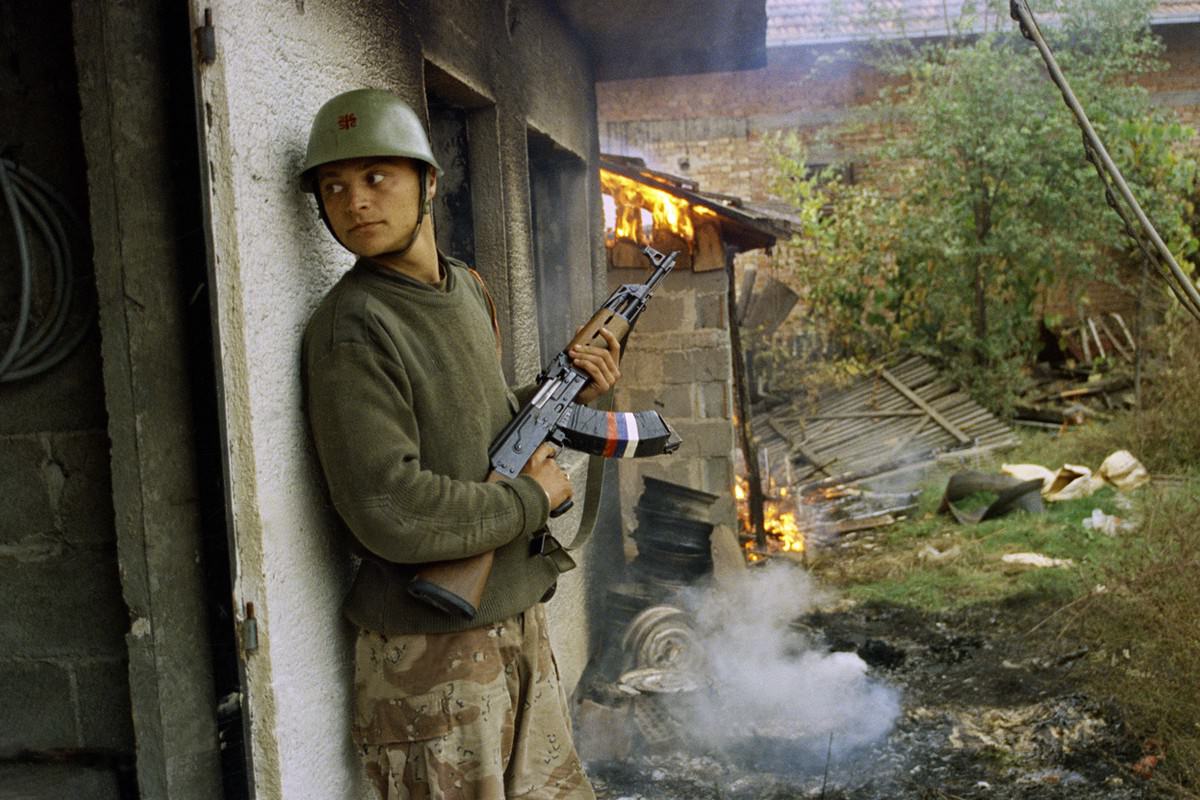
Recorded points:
(1092, 377)
(842, 450)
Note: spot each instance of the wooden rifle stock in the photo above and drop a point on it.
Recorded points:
(455, 586)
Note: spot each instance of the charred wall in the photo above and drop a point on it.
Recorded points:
(64, 694)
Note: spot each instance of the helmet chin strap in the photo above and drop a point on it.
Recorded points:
(422, 210)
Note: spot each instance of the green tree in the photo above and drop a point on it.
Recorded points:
(986, 200)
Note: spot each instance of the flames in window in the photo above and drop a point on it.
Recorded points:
(634, 210)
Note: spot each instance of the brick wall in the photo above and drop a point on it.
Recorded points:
(717, 128)
(63, 675)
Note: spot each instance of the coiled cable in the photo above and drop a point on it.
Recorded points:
(36, 346)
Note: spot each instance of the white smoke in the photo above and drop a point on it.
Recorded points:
(769, 681)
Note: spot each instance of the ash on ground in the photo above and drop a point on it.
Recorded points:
(985, 708)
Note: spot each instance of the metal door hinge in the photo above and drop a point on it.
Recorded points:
(206, 39)
(250, 630)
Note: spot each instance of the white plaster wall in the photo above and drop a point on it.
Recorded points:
(277, 63)
(276, 66)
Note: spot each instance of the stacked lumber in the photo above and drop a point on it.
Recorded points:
(885, 429)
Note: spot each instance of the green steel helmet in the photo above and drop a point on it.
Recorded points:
(362, 123)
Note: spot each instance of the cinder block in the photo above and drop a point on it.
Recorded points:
(715, 401)
(69, 606)
(84, 501)
(710, 311)
(642, 368)
(105, 710)
(718, 476)
(27, 510)
(705, 438)
(676, 401)
(672, 341)
(670, 468)
(664, 313)
(698, 366)
(39, 713)
(56, 782)
(638, 400)
(68, 397)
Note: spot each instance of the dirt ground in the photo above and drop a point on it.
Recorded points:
(991, 708)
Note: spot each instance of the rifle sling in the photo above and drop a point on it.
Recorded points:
(595, 470)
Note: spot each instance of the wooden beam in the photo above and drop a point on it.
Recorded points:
(920, 403)
(868, 415)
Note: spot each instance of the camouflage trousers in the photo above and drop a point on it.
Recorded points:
(476, 715)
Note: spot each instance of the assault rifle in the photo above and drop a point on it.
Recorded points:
(552, 415)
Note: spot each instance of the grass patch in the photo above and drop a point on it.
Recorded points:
(933, 563)
(1145, 626)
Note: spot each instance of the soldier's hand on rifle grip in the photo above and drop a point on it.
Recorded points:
(545, 470)
(602, 364)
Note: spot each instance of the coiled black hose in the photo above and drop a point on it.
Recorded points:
(36, 346)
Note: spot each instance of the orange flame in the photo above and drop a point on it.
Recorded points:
(668, 211)
(783, 531)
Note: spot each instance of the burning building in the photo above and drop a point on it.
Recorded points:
(684, 356)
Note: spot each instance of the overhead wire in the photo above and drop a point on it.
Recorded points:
(1156, 253)
(38, 345)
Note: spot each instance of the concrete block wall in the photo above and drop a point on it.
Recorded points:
(63, 666)
(678, 361)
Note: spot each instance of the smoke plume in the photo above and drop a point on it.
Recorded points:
(768, 682)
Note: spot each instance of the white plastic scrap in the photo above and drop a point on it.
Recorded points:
(1107, 523)
(1124, 471)
(1072, 481)
(1035, 560)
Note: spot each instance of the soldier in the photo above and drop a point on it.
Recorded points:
(404, 392)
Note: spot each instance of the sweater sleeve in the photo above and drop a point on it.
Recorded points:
(368, 443)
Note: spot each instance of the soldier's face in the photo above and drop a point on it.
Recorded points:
(372, 203)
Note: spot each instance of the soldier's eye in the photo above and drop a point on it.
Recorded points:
(375, 178)
(331, 188)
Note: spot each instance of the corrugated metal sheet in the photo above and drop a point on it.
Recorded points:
(799, 22)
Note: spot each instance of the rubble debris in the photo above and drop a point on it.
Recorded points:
(1120, 469)
(898, 411)
(1040, 733)
(852, 459)
(1012, 494)
(1073, 482)
(1080, 388)
(1035, 560)
(1124, 471)
(1107, 523)
(673, 535)
(661, 637)
(1006, 695)
(931, 553)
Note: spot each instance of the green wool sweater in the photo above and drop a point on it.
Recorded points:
(404, 393)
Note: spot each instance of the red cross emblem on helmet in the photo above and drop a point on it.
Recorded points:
(347, 121)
